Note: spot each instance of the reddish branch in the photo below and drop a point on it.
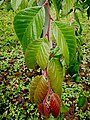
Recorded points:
(45, 73)
(46, 3)
(49, 88)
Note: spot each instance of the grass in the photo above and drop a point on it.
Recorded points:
(15, 77)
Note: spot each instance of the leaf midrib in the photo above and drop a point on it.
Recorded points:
(32, 20)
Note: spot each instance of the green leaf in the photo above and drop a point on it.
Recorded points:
(15, 4)
(41, 2)
(31, 3)
(78, 6)
(65, 38)
(57, 5)
(78, 22)
(37, 52)
(38, 89)
(24, 4)
(28, 25)
(56, 52)
(88, 2)
(56, 73)
(64, 108)
(67, 5)
(1, 2)
(81, 101)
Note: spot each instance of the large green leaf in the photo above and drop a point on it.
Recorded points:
(67, 5)
(56, 73)
(28, 24)
(65, 38)
(15, 4)
(37, 52)
(38, 89)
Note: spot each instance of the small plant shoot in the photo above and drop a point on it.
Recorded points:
(49, 42)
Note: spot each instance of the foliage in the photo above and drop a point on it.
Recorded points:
(29, 19)
(53, 106)
(38, 89)
(66, 41)
(55, 68)
(28, 25)
(41, 48)
(37, 53)
(14, 83)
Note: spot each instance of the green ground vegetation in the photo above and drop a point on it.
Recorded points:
(15, 78)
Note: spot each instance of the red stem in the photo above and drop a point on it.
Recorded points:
(49, 88)
(48, 93)
(46, 4)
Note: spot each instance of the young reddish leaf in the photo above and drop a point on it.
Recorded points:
(44, 110)
(55, 104)
(41, 108)
(38, 89)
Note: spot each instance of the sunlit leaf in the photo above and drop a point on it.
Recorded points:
(15, 4)
(1, 2)
(57, 5)
(28, 24)
(67, 5)
(37, 52)
(31, 3)
(24, 4)
(65, 39)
